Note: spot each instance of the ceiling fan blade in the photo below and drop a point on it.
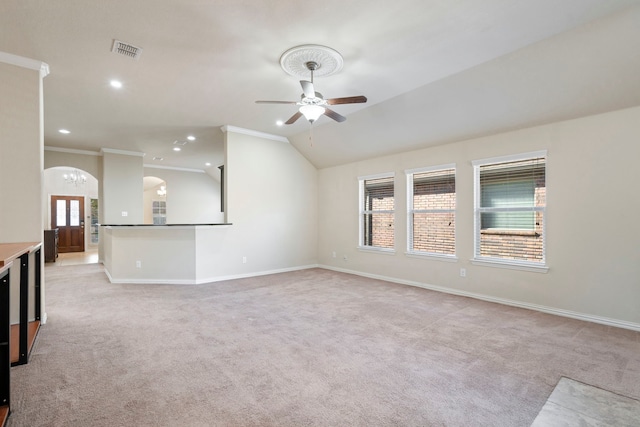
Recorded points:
(293, 118)
(335, 116)
(347, 100)
(276, 102)
(307, 88)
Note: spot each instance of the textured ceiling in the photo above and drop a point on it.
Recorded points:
(434, 71)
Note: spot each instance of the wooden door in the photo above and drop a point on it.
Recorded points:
(67, 215)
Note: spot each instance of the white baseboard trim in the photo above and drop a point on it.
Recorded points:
(544, 309)
(255, 274)
(208, 279)
(43, 319)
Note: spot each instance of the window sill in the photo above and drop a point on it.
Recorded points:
(523, 266)
(437, 257)
(377, 250)
(505, 232)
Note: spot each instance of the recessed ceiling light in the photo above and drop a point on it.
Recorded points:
(176, 148)
(64, 131)
(207, 164)
(191, 138)
(116, 84)
(279, 123)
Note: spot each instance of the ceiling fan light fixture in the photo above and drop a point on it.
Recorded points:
(312, 112)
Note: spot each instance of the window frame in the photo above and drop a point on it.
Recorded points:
(411, 211)
(362, 212)
(535, 266)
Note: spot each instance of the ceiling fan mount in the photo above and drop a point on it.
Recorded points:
(312, 104)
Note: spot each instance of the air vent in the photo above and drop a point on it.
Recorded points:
(126, 49)
(180, 142)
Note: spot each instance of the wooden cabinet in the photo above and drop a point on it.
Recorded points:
(50, 245)
(5, 344)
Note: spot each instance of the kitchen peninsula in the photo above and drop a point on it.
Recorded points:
(171, 253)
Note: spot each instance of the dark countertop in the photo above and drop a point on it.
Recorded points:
(163, 225)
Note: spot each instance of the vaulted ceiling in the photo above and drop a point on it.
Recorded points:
(434, 71)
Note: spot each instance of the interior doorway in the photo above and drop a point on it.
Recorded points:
(67, 215)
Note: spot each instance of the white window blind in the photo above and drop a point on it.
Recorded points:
(510, 209)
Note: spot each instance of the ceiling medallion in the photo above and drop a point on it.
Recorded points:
(294, 61)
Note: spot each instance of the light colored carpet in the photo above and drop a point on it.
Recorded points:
(307, 348)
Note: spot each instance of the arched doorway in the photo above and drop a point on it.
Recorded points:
(71, 201)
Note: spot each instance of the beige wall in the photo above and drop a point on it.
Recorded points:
(21, 164)
(122, 188)
(192, 197)
(21, 146)
(272, 205)
(271, 199)
(592, 228)
(87, 162)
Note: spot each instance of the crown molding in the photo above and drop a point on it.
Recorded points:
(234, 129)
(72, 151)
(123, 152)
(21, 61)
(173, 168)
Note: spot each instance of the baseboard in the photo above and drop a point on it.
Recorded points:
(255, 274)
(541, 308)
(208, 279)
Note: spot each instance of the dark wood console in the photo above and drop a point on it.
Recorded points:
(50, 245)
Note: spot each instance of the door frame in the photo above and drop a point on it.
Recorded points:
(64, 234)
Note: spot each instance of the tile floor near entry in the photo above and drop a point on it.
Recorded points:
(74, 258)
(573, 403)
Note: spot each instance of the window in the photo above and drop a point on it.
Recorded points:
(159, 212)
(94, 221)
(431, 207)
(376, 212)
(510, 204)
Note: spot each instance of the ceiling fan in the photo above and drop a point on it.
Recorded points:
(312, 104)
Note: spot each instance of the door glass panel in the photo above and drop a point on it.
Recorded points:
(94, 221)
(74, 218)
(61, 213)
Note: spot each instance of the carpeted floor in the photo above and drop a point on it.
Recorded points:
(307, 348)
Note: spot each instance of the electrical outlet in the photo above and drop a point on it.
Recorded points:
(244, 259)
(125, 213)
(463, 272)
(334, 254)
(138, 264)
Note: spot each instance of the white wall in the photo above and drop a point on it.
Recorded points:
(85, 160)
(192, 197)
(593, 232)
(271, 200)
(21, 159)
(272, 205)
(122, 188)
(165, 254)
(21, 165)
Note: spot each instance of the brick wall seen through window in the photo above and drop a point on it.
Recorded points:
(432, 204)
(377, 212)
